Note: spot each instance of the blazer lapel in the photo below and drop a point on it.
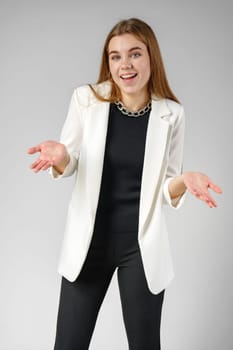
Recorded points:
(96, 141)
(156, 147)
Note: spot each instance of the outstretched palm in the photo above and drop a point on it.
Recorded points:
(198, 184)
(52, 153)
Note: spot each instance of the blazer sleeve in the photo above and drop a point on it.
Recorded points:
(71, 137)
(175, 161)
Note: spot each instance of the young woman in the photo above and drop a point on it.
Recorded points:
(123, 138)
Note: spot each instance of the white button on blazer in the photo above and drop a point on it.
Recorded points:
(84, 135)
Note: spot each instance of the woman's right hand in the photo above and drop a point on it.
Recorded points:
(52, 153)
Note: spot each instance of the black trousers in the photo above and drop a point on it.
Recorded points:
(81, 300)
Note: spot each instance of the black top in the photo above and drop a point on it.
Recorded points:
(118, 206)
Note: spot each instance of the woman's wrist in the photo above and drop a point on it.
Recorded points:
(177, 186)
(61, 166)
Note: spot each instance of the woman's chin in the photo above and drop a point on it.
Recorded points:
(130, 90)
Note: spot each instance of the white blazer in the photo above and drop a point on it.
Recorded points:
(84, 135)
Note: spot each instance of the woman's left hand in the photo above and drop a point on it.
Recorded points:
(198, 184)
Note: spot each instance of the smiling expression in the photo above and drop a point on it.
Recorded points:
(129, 65)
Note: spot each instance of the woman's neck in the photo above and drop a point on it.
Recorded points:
(135, 103)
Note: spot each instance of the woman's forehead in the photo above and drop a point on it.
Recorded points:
(125, 42)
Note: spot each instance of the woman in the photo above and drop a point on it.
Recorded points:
(124, 138)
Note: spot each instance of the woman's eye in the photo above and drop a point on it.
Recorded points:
(115, 57)
(136, 54)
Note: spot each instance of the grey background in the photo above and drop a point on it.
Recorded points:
(47, 49)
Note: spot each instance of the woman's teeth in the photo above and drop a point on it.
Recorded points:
(128, 76)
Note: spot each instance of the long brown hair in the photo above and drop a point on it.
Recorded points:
(158, 83)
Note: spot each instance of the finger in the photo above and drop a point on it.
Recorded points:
(204, 195)
(39, 166)
(34, 164)
(209, 200)
(33, 150)
(215, 187)
(211, 204)
(47, 165)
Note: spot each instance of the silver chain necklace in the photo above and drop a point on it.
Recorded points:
(139, 113)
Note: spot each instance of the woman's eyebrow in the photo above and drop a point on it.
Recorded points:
(133, 48)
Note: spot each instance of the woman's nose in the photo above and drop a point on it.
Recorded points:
(126, 63)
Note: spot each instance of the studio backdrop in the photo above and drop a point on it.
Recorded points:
(48, 48)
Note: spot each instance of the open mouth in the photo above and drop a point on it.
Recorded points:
(128, 76)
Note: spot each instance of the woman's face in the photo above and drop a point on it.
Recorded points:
(129, 64)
